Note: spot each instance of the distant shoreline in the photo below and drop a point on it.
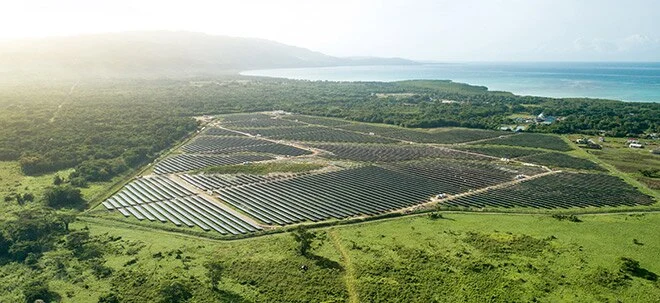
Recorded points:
(628, 82)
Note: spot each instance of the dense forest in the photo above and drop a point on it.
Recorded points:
(104, 127)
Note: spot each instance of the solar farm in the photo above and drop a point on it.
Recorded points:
(359, 170)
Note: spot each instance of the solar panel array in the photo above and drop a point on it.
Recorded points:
(211, 182)
(215, 131)
(161, 199)
(230, 145)
(340, 194)
(395, 183)
(562, 190)
(187, 162)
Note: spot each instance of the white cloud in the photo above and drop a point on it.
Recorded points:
(638, 42)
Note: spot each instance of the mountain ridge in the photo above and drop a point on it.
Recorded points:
(161, 53)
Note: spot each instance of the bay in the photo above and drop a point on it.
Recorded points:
(625, 81)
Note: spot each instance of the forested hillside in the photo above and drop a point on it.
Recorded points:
(156, 54)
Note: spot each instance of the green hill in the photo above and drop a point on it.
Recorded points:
(158, 54)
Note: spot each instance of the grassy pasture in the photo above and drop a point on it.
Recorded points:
(459, 257)
(501, 151)
(561, 160)
(13, 181)
(552, 142)
(632, 162)
(500, 258)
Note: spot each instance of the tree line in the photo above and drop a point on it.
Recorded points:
(106, 127)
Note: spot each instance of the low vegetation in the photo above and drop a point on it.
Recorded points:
(571, 218)
(388, 152)
(497, 260)
(638, 164)
(444, 136)
(462, 257)
(560, 160)
(531, 140)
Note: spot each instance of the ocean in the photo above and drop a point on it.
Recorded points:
(620, 81)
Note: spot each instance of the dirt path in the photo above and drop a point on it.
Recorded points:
(474, 192)
(614, 171)
(59, 107)
(177, 179)
(284, 142)
(349, 270)
(487, 139)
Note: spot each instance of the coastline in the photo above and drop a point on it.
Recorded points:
(609, 81)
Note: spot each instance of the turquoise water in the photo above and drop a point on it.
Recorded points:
(620, 81)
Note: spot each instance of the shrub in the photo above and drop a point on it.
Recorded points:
(650, 173)
(38, 290)
(571, 218)
(214, 271)
(304, 239)
(435, 216)
(631, 266)
(611, 280)
(78, 182)
(109, 298)
(174, 291)
(63, 197)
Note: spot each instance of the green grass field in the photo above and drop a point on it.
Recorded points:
(534, 140)
(477, 258)
(632, 162)
(13, 181)
(460, 257)
(561, 160)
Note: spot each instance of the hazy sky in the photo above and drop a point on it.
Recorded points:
(465, 30)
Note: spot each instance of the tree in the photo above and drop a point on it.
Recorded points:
(66, 217)
(135, 156)
(57, 180)
(76, 240)
(30, 230)
(304, 239)
(38, 290)
(174, 290)
(4, 246)
(26, 197)
(78, 182)
(650, 172)
(63, 197)
(98, 169)
(214, 271)
(109, 298)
